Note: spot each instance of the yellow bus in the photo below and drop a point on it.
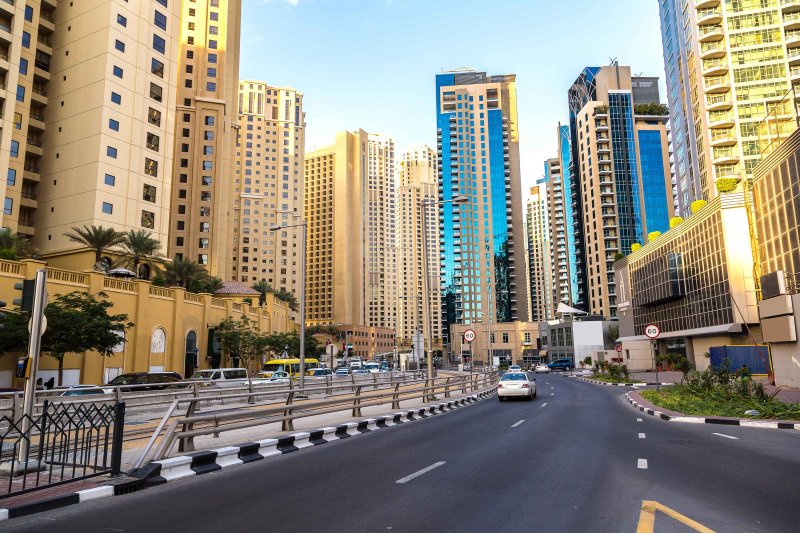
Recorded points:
(292, 366)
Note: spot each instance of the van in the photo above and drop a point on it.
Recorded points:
(372, 368)
(224, 377)
(355, 365)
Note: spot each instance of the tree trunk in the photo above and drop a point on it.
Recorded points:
(98, 255)
(60, 370)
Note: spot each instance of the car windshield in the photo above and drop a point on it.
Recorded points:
(206, 374)
(125, 379)
(514, 377)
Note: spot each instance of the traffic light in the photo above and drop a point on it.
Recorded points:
(28, 288)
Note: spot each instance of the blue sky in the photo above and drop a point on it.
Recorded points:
(371, 63)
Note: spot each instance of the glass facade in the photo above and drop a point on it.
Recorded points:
(565, 154)
(654, 189)
(626, 174)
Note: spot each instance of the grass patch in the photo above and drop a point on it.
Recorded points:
(611, 379)
(679, 398)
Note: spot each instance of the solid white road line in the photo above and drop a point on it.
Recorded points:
(517, 424)
(642, 464)
(545, 403)
(552, 394)
(420, 472)
(638, 419)
(726, 436)
(642, 436)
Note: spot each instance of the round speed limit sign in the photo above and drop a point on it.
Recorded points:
(651, 331)
(469, 335)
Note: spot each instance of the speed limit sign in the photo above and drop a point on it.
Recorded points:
(469, 335)
(651, 331)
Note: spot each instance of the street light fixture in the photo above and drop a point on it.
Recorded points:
(424, 203)
(302, 224)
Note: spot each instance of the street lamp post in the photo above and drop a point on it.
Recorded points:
(302, 224)
(424, 203)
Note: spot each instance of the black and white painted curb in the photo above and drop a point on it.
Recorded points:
(203, 462)
(629, 384)
(768, 424)
(116, 488)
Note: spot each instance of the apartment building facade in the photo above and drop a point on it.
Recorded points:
(539, 250)
(622, 164)
(483, 261)
(268, 189)
(417, 311)
(206, 133)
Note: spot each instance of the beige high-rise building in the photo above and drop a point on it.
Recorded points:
(539, 251)
(205, 133)
(349, 207)
(558, 236)
(269, 186)
(416, 310)
(105, 154)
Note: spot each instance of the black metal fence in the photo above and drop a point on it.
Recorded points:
(66, 442)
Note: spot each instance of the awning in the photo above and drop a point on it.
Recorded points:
(696, 332)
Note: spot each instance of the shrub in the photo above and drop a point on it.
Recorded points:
(653, 235)
(618, 256)
(726, 185)
(675, 221)
(635, 247)
(697, 205)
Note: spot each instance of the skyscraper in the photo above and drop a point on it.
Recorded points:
(557, 223)
(418, 182)
(736, 63)
(349, 207)
(622, 174)
(565, 163)
(105, 87)
(482, 240)
(205, 133)
(271, 139)
(539, 251)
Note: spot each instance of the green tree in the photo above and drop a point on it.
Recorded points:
(14, 246)
(275, 343)
(288, 297)
(140, 248)
(97, 238)
(263, 289)
(240, 339)
(181, 271)
(76, 322)
(205, 283)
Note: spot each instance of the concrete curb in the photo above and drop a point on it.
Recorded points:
(119, 487)
(203, 462)
(631, 384)
(744, 422)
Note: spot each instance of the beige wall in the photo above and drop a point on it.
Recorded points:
(150, 308)
(517, 341)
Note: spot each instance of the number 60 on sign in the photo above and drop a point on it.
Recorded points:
(651, 331)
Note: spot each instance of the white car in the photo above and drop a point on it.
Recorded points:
(372, 368)
(516, 384)
(515, 368)
(542, 368)
(279, 377)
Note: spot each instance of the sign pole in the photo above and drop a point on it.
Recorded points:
(37, 326)
(652, 331)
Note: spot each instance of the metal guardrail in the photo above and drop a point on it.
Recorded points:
(183, 429)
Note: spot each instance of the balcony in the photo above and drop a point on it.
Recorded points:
(792, 38)
(711, 33)
(44, 44)
(725, 156)
(717, 84)
(724, 121)
(709, 16)
(793, 54)
(715, 67)
(790, 6)
(722, 138)
(791, 21)
(719, 103)
(712, 50)
(7, 7)
(705, 4)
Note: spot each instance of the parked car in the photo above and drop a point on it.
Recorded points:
(82, 390)
(279, 377)
(516, 384)
(360, 371)
(541, 368)
(225, 377)
(152, 380)
(515, 368)
(319, 373)
(372, 368)
(561, 364)
(384, 366)
(342, 371)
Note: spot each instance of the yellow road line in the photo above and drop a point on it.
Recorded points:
(647, 518)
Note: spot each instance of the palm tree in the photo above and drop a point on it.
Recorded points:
(288, 297)
(14, 246)
(182, 271)
(97, 238)
(263, 289)
(140, 248)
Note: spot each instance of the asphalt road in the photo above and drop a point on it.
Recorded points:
(575, 464)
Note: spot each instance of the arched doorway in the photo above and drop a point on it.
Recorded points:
(190, 358)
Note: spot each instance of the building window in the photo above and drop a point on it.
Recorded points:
(187, 84)
(23, 65)
(122, 21)
(156, 92)
(29, 13)
(207, 165)
(212, 58)
(14, 149)
(205, 196)
(108, 208)
(202, 259)
(212, 44)
(26, 39)
(8, 206)
(209, 120)
(211, 86)
(157, 67)
(208, 150)
(116, 98)
(207, 181)
(113, 124)
(212, 72)
(148, 220)
(159, 44)
(119, 45)
(203, 243)
(111, 152)
(11, 177)
(160, 20)
(117, 72)
(20, 93)
(208, 135)
(150, 167)
(149, 193)
(154, 117)
(505, 338)
(181, 209)
(162, 2)
(110, 180)
(178, 241)
(153, 142)
(205, 227)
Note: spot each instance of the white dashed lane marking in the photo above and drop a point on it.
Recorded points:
(642, 436)
(726, 436)
(638, 419)
(545, 403)
(420, 472)
(517, 424)
(642, 464)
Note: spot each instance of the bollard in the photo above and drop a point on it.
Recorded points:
(288, 425)
(328, 385)
(186, 444)
(463, 384)
(447, 388)
(118, 436)
(375, 381)
(353, 381)
(357, 402)
(251, 398)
